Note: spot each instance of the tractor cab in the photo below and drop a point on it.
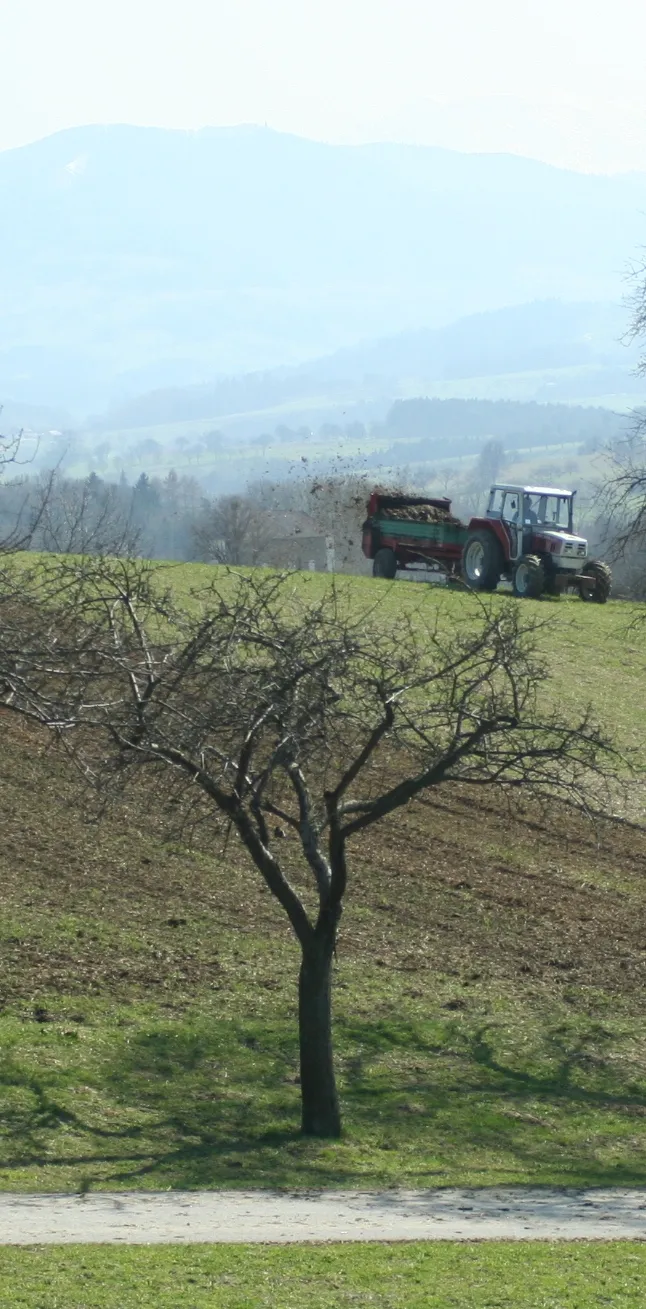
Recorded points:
(538, 520)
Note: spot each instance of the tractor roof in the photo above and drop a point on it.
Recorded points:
(531, 490)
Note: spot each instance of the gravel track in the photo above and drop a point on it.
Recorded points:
(489, 1214)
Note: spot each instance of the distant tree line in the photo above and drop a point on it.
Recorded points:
(172, 517)
(427, 423)
(63, 515)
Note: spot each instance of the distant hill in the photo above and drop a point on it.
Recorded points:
(562, 351)
(545, 334)
(137, 258)
(32, 418)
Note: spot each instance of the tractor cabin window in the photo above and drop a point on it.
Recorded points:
(546, 511)
(510, 507)
(496, 503)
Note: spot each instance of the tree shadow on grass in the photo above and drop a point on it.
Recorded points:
(37, 1114)
(209, 1105)
(203, 1105)
(564, 1052)
(582, 1109)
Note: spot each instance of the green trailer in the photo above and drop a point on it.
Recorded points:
(419, 534)
(404, 531)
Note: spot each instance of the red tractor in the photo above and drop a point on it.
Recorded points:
(527, 536)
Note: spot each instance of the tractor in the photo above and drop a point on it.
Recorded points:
(526, 536)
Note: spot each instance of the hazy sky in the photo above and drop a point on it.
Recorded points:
(557, 79)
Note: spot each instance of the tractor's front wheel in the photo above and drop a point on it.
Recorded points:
(529, 578)
(384, 563)
(482, 561)
(598, 589)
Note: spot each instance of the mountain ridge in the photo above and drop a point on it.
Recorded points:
(544, 335)
(238, 249)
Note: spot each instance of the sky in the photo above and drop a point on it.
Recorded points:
(559, 80)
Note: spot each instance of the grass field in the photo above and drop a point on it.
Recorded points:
(406, 1276)
(489, 982)
(594, 653)
(242, 459)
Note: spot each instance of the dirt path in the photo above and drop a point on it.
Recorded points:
(490, 1214)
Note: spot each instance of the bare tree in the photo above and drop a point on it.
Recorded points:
(622, 499)
(288, 718)
(230, 530)
(9, 449)
(480, 477)
(84, 517)
(20, 513)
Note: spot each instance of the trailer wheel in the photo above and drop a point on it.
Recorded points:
(384, 564)
(529, 578)
(600, 586)
(482, 561)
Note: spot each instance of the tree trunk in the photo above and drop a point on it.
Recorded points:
(319, 1100)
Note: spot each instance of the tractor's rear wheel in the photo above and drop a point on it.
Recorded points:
(598, 589)
(482, 561)
(384, 563)
(529, 578)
